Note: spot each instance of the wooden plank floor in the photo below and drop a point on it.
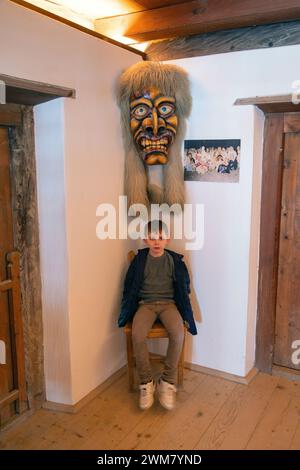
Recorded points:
(211, 413)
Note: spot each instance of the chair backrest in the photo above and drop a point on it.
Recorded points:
(130, 255)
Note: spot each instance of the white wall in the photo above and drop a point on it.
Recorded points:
(225, 270)
(80, 156)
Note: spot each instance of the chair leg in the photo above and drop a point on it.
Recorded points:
(181, 365)
(130, 362)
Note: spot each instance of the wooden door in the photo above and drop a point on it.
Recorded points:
(6, 246)
(287, 319)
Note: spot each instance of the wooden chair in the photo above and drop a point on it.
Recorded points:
(157, 331)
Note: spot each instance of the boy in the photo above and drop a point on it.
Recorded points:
(157, 286)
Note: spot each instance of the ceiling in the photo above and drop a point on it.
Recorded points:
(138, 22)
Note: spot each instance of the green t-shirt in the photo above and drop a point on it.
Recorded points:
(158, 278)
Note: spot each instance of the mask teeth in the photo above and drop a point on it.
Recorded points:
(157, 143)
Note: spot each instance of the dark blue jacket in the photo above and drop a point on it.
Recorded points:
(133, 282)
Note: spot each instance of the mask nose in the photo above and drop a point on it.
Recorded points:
(153, 124)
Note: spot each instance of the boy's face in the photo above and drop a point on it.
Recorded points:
(157, 242)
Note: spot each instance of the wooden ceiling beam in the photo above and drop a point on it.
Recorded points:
(149, 4)
(197, 17)
(230, 40)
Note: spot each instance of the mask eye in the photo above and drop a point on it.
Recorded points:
(140, 111)
(165, 109)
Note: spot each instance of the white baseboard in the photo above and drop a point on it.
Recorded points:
(224, 375)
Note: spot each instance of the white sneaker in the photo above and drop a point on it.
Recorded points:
(166, 394)
(147, 395)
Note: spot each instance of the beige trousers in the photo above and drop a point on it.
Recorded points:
(143, 320)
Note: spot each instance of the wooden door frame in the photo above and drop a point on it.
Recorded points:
(271, 191)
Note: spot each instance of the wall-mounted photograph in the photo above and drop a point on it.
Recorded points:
(212, 160)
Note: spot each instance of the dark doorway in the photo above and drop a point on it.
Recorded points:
(12, 360)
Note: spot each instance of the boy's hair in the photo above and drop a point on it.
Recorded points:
(156, 226)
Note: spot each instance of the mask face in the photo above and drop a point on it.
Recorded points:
(153, 124)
